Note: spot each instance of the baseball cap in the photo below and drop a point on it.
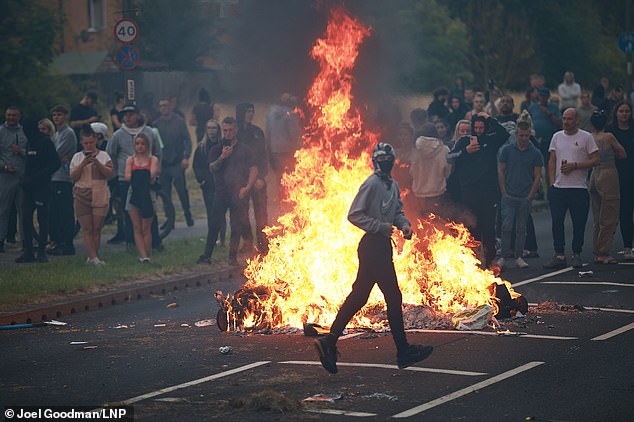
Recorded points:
(130, 107)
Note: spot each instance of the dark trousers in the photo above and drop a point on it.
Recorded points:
(175, 174)
(239, 223)
(577, 201)
(125, 230)
(260, 200)
(626, 209)
(482, 204)
(375, 266)
(34, 201)
(208, 199)
(62, 214)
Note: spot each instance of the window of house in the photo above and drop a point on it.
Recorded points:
(96, 19)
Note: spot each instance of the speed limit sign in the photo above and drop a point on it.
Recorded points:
(126, 31)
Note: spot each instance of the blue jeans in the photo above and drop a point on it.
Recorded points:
(577, 201)
(514, 209)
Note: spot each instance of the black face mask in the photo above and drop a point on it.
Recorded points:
(386, 166)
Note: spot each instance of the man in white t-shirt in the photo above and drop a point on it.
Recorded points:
(572, 152)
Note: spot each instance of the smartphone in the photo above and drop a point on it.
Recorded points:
(226, 142)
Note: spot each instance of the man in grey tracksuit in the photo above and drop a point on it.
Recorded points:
(12, 161)
(376, 209)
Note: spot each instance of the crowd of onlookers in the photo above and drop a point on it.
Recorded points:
(76, 173)
(470, 156)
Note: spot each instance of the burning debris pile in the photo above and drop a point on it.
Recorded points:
(312, 261)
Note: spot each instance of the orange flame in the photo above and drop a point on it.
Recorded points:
(312, 261)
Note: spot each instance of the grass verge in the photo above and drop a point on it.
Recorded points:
(71, 275)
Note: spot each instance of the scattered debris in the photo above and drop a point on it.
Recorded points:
(75, 343)
(327, 398)
(89, 347)
(184, 324)
(225, 350)
(205, 323)
(314, 330)
(266, 400)
(554, 306)
(472, 319)
(509, 333)
(120, 326)
(380, 396)
(172, 305)
(160, 325)
(583, 274)
(35, 324)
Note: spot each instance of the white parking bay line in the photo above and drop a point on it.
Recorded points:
(541, 277)
(587, 283)
(491, 333)
(340, 412)
(614, 332)
(625, 311)
(475, 387)
(384, 366)
(194, 382)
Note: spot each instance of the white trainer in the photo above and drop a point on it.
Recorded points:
(521, 263)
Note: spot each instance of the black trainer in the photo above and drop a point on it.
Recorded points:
(25, 257)
(327, 354)
(415, 353)
(189, 220)
(203, 259)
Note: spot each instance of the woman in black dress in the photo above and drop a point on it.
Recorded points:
(141, 170)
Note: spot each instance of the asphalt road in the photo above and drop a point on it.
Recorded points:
(571, 365)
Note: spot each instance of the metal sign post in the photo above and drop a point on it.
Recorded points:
(127, 56)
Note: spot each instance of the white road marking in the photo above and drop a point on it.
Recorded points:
(587, 283)
(347, 336)
(625, 311)
(341, 412)
(194, 382)
(541, 277)
(490, 333)
(475, 387)
(384, 366)
(545, 337)
(614, 332)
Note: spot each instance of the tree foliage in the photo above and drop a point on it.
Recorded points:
(440, 44)
(28, 32)
(510, 39)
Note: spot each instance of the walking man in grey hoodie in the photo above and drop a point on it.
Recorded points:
(376, 209)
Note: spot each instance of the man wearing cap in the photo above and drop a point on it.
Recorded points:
(61, 212)
(546, 121)
(119, 148)
(83, 113)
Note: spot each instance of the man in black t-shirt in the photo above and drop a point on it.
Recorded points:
(235, 173)
(83, 113)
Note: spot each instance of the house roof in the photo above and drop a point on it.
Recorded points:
(83, 63)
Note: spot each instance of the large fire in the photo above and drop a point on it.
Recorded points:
(312, 261)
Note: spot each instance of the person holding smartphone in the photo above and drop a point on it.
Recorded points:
(90, 170)
(235, 173)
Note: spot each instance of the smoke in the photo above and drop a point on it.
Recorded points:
(270, 44)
